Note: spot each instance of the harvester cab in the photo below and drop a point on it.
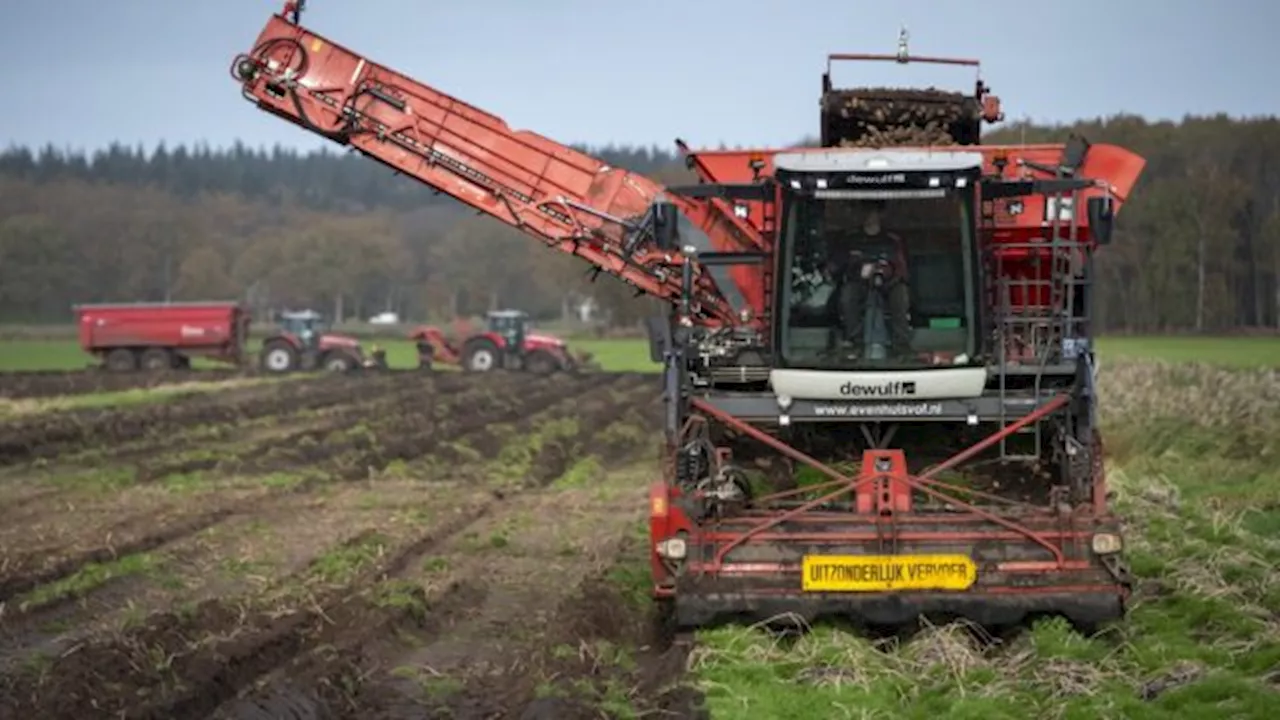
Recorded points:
(878, 277)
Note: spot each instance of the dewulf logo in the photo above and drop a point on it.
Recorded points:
(889, 389)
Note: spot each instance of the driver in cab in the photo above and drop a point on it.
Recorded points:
(865, 261)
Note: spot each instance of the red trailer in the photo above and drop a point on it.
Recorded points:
(158, 336)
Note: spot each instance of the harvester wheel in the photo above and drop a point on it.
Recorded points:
(339, 362)
(279, 357)
(157, 359)
(541, 362)
(479, 355)
(122, 360)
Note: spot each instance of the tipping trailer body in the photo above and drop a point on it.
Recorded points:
(128, 335)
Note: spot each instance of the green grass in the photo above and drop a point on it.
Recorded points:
(26, 355)
(633, 354)
(88, 578)
(1232, 352)
(619, 355)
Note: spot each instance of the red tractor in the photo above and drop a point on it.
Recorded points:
(506, 343)
(915, 331)
(302, 342)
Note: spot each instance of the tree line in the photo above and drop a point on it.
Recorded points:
(1197, 248)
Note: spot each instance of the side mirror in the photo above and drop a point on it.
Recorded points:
(665, 225)
(1101, 212)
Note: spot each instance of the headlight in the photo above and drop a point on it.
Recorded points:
(672, 548)
(1107, 544)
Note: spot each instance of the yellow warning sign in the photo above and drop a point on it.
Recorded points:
(880, 573)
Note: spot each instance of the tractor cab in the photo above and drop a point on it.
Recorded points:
(302, 341)
(507, 342)
(878, 262)
(306, 325)
(511, 325)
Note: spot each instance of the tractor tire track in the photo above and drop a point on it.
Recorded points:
(306, 688)
(20, 573)
(48, 435)
(23, 573)
(217, 672)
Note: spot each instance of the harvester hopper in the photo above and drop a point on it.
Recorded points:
(883, 117)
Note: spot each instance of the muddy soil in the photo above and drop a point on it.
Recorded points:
(51, 383)
(392, 546)
(46, 435)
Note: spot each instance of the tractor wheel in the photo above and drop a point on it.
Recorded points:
(541, 362)
(157, 359)
(122, 360)
(279, 357)
(339, 362)
(480, 355)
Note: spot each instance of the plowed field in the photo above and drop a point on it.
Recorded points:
(392, 545)
(50, 383)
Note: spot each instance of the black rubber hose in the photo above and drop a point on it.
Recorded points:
(260, 52)
(259, 56)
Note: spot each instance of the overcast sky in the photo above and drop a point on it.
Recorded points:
(81, 73)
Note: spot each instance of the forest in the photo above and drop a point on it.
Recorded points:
(1197, 249)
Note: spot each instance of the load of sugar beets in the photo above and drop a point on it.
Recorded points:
(888, 116)
(881, 117)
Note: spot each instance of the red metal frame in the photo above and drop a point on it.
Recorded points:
(896, 483)
(882, 507)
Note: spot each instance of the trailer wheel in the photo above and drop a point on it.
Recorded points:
(480, 355)
(157, 359)
(279, 357)
(122, 360)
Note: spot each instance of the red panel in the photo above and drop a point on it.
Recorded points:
(180, 325)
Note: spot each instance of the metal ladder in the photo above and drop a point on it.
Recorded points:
(1046, 311)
